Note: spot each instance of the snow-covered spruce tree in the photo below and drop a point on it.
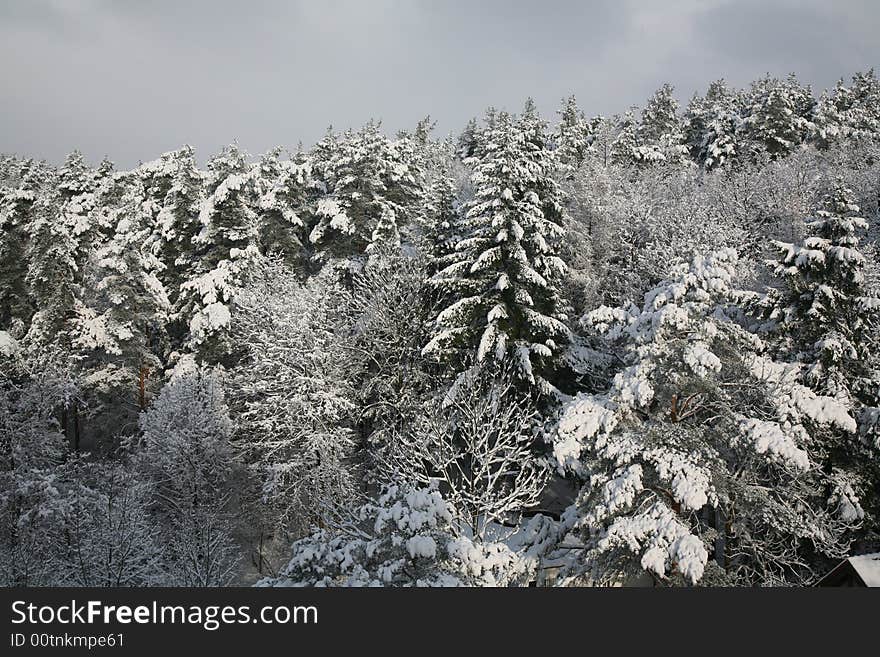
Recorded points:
(369, 191)
(405, 538)
(580, 222)
(441, 215)
(701, 448)
(696, 121)
(104, 170)
(434, 208)
(826, 309)
(183, 453)
(503, 288)
(472, 140)
(75, 177)
(434, 227)
(476, 443)
(293, 395)
(225, 247)
(9, 165)
(120, 319)
(466, 145)
(829, 319)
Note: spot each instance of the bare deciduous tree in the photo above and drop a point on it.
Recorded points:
(478, 441)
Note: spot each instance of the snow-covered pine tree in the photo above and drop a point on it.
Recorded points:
(370, 191)
(406, 537)
(625, 141)
(77, 184)
(175, 186)
(110, 186)
(16, 208)
(62, 234)
(228, 215)
(503, 288)
(225, 247)
(120, 318)
(603, 132)
(701, 447)
(850, 112)
(53, 272)
(777, 116)
(659, 133)
(711, 123)
(282, 186)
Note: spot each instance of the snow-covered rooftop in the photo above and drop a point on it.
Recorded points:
(868, 568)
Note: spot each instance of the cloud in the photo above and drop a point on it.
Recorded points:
(820, 41)
(131, 79)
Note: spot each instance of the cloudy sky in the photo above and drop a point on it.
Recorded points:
(131, 79)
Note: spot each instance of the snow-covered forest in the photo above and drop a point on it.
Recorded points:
(555, 349)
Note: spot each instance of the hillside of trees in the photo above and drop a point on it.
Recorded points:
(580, 351)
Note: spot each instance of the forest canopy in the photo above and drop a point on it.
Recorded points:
(582, 351)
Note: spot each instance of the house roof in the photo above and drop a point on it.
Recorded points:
(868, 568)
(863, 568)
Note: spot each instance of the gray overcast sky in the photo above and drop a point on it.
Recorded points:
(131, 79)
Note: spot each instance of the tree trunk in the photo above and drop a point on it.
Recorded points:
(75, 427)
(142, 386)
(64, 424)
